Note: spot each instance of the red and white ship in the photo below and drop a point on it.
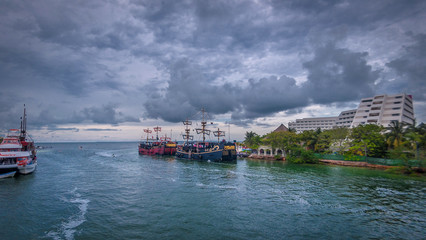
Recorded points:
(17, 152)
(157, 146)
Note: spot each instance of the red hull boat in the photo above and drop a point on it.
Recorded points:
(162, 146)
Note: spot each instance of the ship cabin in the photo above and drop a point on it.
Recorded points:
(10, 145)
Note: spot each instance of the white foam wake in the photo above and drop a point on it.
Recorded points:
(68, 228)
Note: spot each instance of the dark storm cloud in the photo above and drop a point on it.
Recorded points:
(268, 96)
(339, 75)
(334, 75)
(189, 89)
(106, 114)
(227, 56)
(410, 69)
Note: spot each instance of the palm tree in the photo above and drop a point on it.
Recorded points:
(251, 139)
(416, 136)
(395, 136)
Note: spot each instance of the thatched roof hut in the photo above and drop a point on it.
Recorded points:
(281, 128)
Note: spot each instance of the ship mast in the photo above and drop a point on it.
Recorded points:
(187, 137)
(24, 125)
(157, 129)
(148, 131)
(218, 134)
(203, 125)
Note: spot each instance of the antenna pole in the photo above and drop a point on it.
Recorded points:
(229, 132)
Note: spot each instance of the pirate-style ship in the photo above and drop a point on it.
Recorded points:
(206, 151)
(157, 146)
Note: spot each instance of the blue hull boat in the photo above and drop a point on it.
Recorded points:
(213, 155)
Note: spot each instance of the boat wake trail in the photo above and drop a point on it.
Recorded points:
(68, 228)
(107, 154)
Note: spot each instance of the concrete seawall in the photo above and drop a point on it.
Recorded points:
(353, 164)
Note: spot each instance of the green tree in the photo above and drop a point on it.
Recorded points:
(395, 134)
(324, 142)
(252, 140)
(292, 130)
(416, 139)
(339, 138)
(308, 139)
(282, 140)
(368, 140)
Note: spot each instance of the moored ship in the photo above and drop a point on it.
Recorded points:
(206, 151)
(157, 146)
(169, 146)
(17, 152)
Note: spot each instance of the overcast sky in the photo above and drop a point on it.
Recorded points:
(104, 70)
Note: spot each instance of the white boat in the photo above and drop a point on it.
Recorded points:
(7, 175)
(17, 151)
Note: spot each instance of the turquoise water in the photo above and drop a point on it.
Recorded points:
(108, 191)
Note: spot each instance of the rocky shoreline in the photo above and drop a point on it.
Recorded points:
(255, 156)
(353, 164)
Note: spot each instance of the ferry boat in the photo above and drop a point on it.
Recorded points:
(157, 146)
(206, 151)
(17, 151)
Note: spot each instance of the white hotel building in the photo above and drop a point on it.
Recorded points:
(384, 109)
(380, 109)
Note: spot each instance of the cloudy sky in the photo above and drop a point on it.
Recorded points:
(104, 70)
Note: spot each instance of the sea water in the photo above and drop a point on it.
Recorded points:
(108, 191)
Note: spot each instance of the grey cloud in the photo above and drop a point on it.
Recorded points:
(81, 50)
(105, 114)
(101, 130)
(410, 69)
(339, 75)
(189, 89)
(54, 128)
(334, 75)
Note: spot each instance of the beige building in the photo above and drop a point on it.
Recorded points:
(383, 109)
(380, 109)
(313, 123)
(345, 118)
